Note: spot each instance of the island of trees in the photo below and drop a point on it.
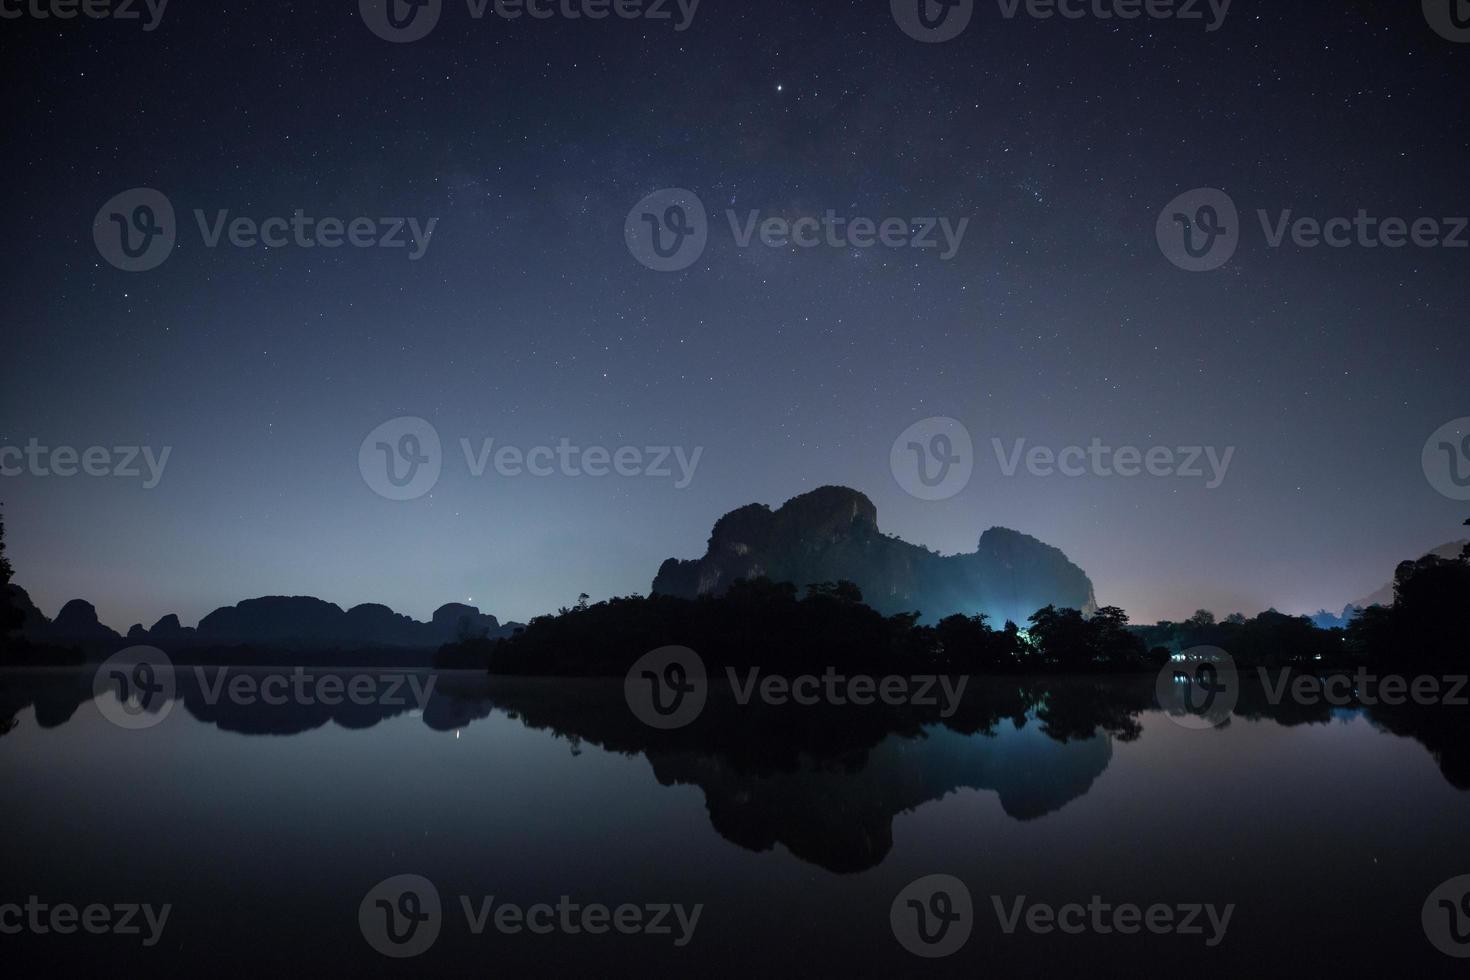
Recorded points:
(774, 625)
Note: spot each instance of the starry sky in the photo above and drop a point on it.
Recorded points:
(527, 319)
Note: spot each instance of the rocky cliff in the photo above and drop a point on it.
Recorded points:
(832, 533)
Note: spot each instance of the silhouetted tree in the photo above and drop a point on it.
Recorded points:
(10, 614)
(1430, 616)
(760, 622)
(1065, 639)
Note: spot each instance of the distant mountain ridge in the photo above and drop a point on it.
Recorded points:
(297, 622)
(1323, 619)
(1384, 596)
(832, 533)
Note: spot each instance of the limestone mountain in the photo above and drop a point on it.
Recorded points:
(832, 533)
(300, 623)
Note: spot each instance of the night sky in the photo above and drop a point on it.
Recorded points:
(527, 319)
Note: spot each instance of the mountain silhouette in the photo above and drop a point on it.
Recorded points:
(296, 623)
(1324, 619)
(826, 782)
(832, 534)
(1384, 596)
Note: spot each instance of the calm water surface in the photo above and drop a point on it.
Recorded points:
(265, 827)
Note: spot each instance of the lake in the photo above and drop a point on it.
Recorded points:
(549, 832)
